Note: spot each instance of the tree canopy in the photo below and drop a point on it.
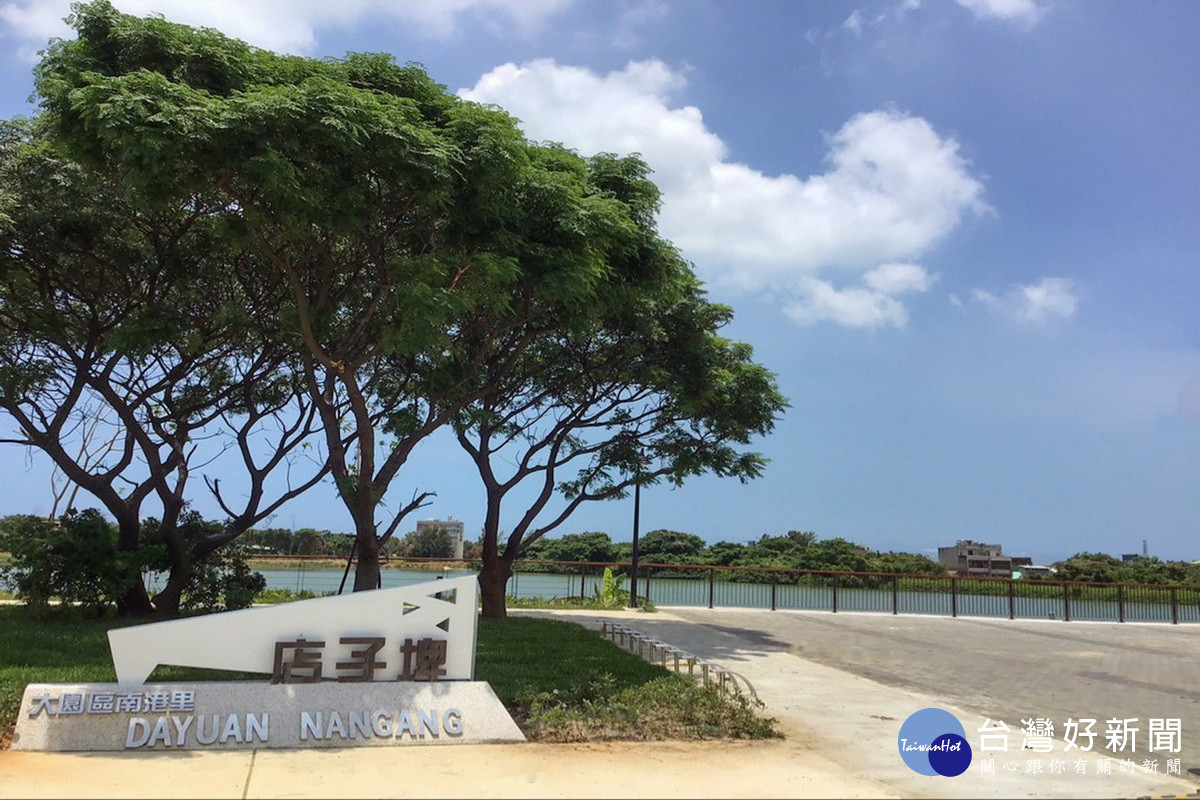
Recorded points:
(588, 546)
(645, 390)
(414, 236)
(346, 247)
(117, 322)
(428, 542)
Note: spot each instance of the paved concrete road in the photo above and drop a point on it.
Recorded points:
(843, 684)
(1004, 669)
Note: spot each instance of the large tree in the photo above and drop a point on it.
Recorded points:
(419, 237)
(117, 317)
(649, 392)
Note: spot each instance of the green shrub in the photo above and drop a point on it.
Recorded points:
(223, 580)
(575, 602)
(74, 559)
(285, 595)
(609, 593)
(672, 707)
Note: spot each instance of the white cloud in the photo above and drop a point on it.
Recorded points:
(1027, 11)
(1034, 303)
(818, 301)
(283, 25)
(899, 279)
(854, 22)
(891, 189)
(873, 305)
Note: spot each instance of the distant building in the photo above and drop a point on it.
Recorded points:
(1023, 567)
(976, 559)
(452, 527)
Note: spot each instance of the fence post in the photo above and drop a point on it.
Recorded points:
(582, 581)
(895, 594)
(835, 585)
(1174, 606)
(1120, 602)
(349, 561)
(712, 586)
(1066, 602)
(1012, 601)
(954, 597)
(774, 582)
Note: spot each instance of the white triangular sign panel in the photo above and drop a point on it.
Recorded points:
(246, 640)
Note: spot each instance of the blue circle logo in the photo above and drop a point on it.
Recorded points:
(933, 742)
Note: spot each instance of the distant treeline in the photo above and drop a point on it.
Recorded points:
(804, 550)
(312, 542)
(792, 550)
(1103, 568)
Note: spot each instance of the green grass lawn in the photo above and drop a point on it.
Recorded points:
(520, 656)
(550, 674)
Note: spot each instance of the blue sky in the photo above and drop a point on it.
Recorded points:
(963, 233)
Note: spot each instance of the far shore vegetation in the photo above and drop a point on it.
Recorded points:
(432, 551)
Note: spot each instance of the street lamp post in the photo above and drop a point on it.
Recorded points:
(637, 507)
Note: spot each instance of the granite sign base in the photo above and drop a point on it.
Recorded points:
(247, 715)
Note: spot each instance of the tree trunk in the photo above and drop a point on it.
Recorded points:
(493, 582)
(166, 602)
(366, 570)
(493, 577)
(135, 600)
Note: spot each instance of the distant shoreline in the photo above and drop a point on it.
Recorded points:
(288, 562)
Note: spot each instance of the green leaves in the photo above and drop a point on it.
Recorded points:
(405, 255)
(74, 560)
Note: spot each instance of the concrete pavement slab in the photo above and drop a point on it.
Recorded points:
(854, 721)
(131, 775)
(610, 769)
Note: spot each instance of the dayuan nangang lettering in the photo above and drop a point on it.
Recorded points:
(202, 729)
(208, 729)
(380, 724)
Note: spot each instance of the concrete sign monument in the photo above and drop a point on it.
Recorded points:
(388, 667)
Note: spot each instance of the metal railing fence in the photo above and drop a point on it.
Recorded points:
(715, 586)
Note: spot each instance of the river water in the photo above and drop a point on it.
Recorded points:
(694, 592)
